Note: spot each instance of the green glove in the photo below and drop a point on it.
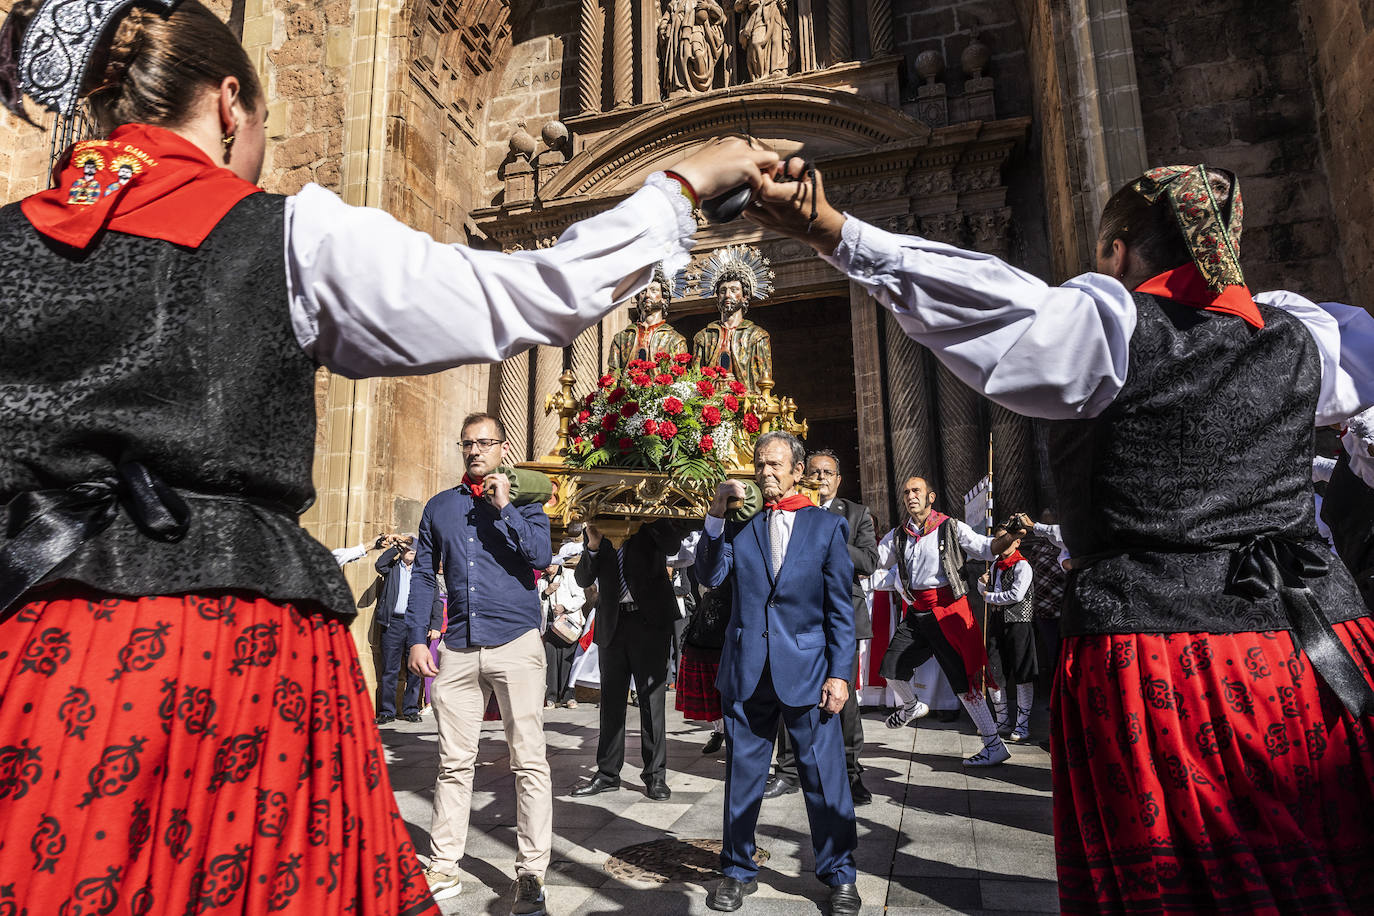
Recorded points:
(749, 506)
(527, 488)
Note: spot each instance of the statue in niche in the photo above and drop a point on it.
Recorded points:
(735, 275)
(691, 37)
(765, 37)
(651, 333)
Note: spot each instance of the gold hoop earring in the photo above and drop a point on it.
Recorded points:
(228, 141)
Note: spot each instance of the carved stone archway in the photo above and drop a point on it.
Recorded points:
(944, 183)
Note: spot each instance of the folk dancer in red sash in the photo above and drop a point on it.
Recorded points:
(924, 562)
(184, 724)
(1213, 716)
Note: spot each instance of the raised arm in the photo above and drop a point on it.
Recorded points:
(371, 296)
(1345, 342)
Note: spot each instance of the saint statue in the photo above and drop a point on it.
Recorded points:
(765, 37)
(735, 275)
(691, 36)
(651, 333)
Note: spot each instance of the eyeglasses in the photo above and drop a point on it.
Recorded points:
(468, 445)
(821, 472)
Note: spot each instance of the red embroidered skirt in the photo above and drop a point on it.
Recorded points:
(696, 695)
(193, 753)
(1205, 773)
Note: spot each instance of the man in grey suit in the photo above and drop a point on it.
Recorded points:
(824, 467)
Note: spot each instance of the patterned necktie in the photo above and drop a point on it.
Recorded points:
(775, 534)
(620, 565)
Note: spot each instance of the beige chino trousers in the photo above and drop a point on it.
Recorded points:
(513, 672)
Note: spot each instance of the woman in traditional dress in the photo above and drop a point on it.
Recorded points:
(184, 725)
(1212, 732)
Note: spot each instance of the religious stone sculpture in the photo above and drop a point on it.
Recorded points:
(765, 37)
(734, 275)
(651, 333)
(691, 37)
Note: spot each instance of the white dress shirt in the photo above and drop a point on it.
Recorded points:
(923, 559)
(714, 526)
(1059, 352)
(1008, 587)
(371, 296)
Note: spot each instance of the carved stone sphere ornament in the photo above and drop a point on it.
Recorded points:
(521, 143)
(975, 58)
(929, 65)
(555, 134)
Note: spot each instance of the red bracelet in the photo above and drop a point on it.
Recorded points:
(686, 186)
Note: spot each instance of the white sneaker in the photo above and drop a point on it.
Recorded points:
(443, 886)
(905, 715)
(993, 753)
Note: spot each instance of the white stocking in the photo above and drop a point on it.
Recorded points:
(718, 726)
(978, 711)
(906, 695)
(999, 705)
(1025, 696)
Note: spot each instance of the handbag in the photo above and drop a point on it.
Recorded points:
(565, 630)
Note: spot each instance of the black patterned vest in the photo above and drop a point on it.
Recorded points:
(1207, 447)
(183, 360)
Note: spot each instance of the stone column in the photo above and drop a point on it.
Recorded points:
(909, 407)
(880, 27)
(586, 359)
(1012, 445)
(514, 404)
(963, 445)
(622, 54)
(649, 13)
(548, 367)
(840, 44)
(806, 37)
(875, 485)
(591, 25)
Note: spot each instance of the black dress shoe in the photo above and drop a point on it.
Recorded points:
(411, 717)
(713, 743)
(776, 786)
(658, 790)
(860, 792)
(729, 895)
(384, 718)
(595, 786)
(844, 900)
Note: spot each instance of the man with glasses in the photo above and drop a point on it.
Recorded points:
(489, 550)
(823, 466)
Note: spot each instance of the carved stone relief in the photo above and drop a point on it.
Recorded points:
(691, 37)
(765, 37)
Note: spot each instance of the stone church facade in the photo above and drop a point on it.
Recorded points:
(1001, 125)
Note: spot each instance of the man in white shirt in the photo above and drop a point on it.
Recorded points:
(923, 560)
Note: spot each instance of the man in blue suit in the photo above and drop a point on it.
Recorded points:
(789, 654)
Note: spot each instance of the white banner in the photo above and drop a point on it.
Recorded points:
(978, 505)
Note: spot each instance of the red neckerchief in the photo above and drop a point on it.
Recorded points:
(474, 487)
(934, 520)
(1185, 286)
(790, 503)
(173, 192)
(1007, 562)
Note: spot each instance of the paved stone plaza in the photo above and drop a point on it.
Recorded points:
(934, 840)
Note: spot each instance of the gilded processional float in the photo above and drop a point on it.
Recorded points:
(652, 437)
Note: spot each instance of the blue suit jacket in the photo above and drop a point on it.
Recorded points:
(806, 610)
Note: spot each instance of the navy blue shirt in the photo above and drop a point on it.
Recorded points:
(489, 559)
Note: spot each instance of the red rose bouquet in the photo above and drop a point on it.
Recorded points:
(664, 415)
